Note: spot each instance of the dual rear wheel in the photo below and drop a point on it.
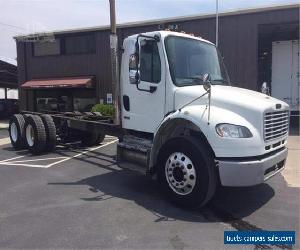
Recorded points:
(17, 132)
(36, 133)
(36, 137)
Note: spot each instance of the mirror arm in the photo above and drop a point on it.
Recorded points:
(209, 103)
(151, 90)
(137, 48)
(155, 38)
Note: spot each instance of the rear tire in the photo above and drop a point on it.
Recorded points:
(92, 139)
(35, 134)
(186, 172)
(50, 132)
(100, 138)
(16, 131)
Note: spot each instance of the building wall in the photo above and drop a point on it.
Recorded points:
(238, 43)
(8, 75)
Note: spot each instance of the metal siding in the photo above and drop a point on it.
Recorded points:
(237, 39)
(21, 73)
(102, 62)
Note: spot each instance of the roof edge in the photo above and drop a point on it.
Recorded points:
(165, 20)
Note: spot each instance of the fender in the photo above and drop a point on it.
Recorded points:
(178, 123)
(194, 119)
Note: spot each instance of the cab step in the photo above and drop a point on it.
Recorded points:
(133, 153)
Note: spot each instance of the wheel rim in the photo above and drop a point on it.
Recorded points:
(14, 132)
(180, 173)
(29, 135)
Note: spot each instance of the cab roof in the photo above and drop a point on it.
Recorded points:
(165, 33)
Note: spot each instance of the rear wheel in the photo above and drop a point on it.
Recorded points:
(16, 131)
(50, 130)
(35, 134)
(92, 139)
(186, 172)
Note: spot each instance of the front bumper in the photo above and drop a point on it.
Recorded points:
(250, 172)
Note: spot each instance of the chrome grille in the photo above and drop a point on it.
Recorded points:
(276, 124)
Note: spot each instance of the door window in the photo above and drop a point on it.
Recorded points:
(150, 66)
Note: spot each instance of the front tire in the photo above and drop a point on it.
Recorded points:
(186, 172)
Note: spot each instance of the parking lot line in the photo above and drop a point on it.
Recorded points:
(33, 160)
(23, 165)
(14, 158)
(82, 153)
(30, 163)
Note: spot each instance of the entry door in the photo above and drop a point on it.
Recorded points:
(143, 105)
(285, 72)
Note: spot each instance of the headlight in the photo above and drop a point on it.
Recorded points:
(233, 131)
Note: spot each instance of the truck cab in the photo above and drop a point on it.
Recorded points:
(175, 89)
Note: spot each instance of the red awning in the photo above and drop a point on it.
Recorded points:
(66, 82)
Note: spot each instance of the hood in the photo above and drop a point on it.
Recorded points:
(233, 98)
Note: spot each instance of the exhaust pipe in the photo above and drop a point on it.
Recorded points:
(114, 62)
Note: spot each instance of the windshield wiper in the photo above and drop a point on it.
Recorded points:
(220, 80)
(197, 79)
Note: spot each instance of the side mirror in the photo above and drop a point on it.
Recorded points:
(206, 82)
(134, 76)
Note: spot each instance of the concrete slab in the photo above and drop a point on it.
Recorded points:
(3, 124)
(292, 171)
(4, 133)
(4, 141)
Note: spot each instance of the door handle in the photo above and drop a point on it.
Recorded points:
(152, 89)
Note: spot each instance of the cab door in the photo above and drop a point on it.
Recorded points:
(143, 104)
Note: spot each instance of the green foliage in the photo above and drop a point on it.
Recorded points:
(104, 109)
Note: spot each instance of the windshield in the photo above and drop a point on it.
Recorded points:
(190, 59)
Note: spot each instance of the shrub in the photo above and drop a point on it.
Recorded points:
(104, 109)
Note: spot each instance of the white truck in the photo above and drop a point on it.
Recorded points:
(180, 120)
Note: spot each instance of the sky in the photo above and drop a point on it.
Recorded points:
(29, 16)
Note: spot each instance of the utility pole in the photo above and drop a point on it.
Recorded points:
(114, 62)
(217, 23)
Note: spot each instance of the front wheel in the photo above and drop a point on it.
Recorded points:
(186, 172)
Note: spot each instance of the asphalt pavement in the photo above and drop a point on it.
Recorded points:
(3, 133)
(79, 198)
